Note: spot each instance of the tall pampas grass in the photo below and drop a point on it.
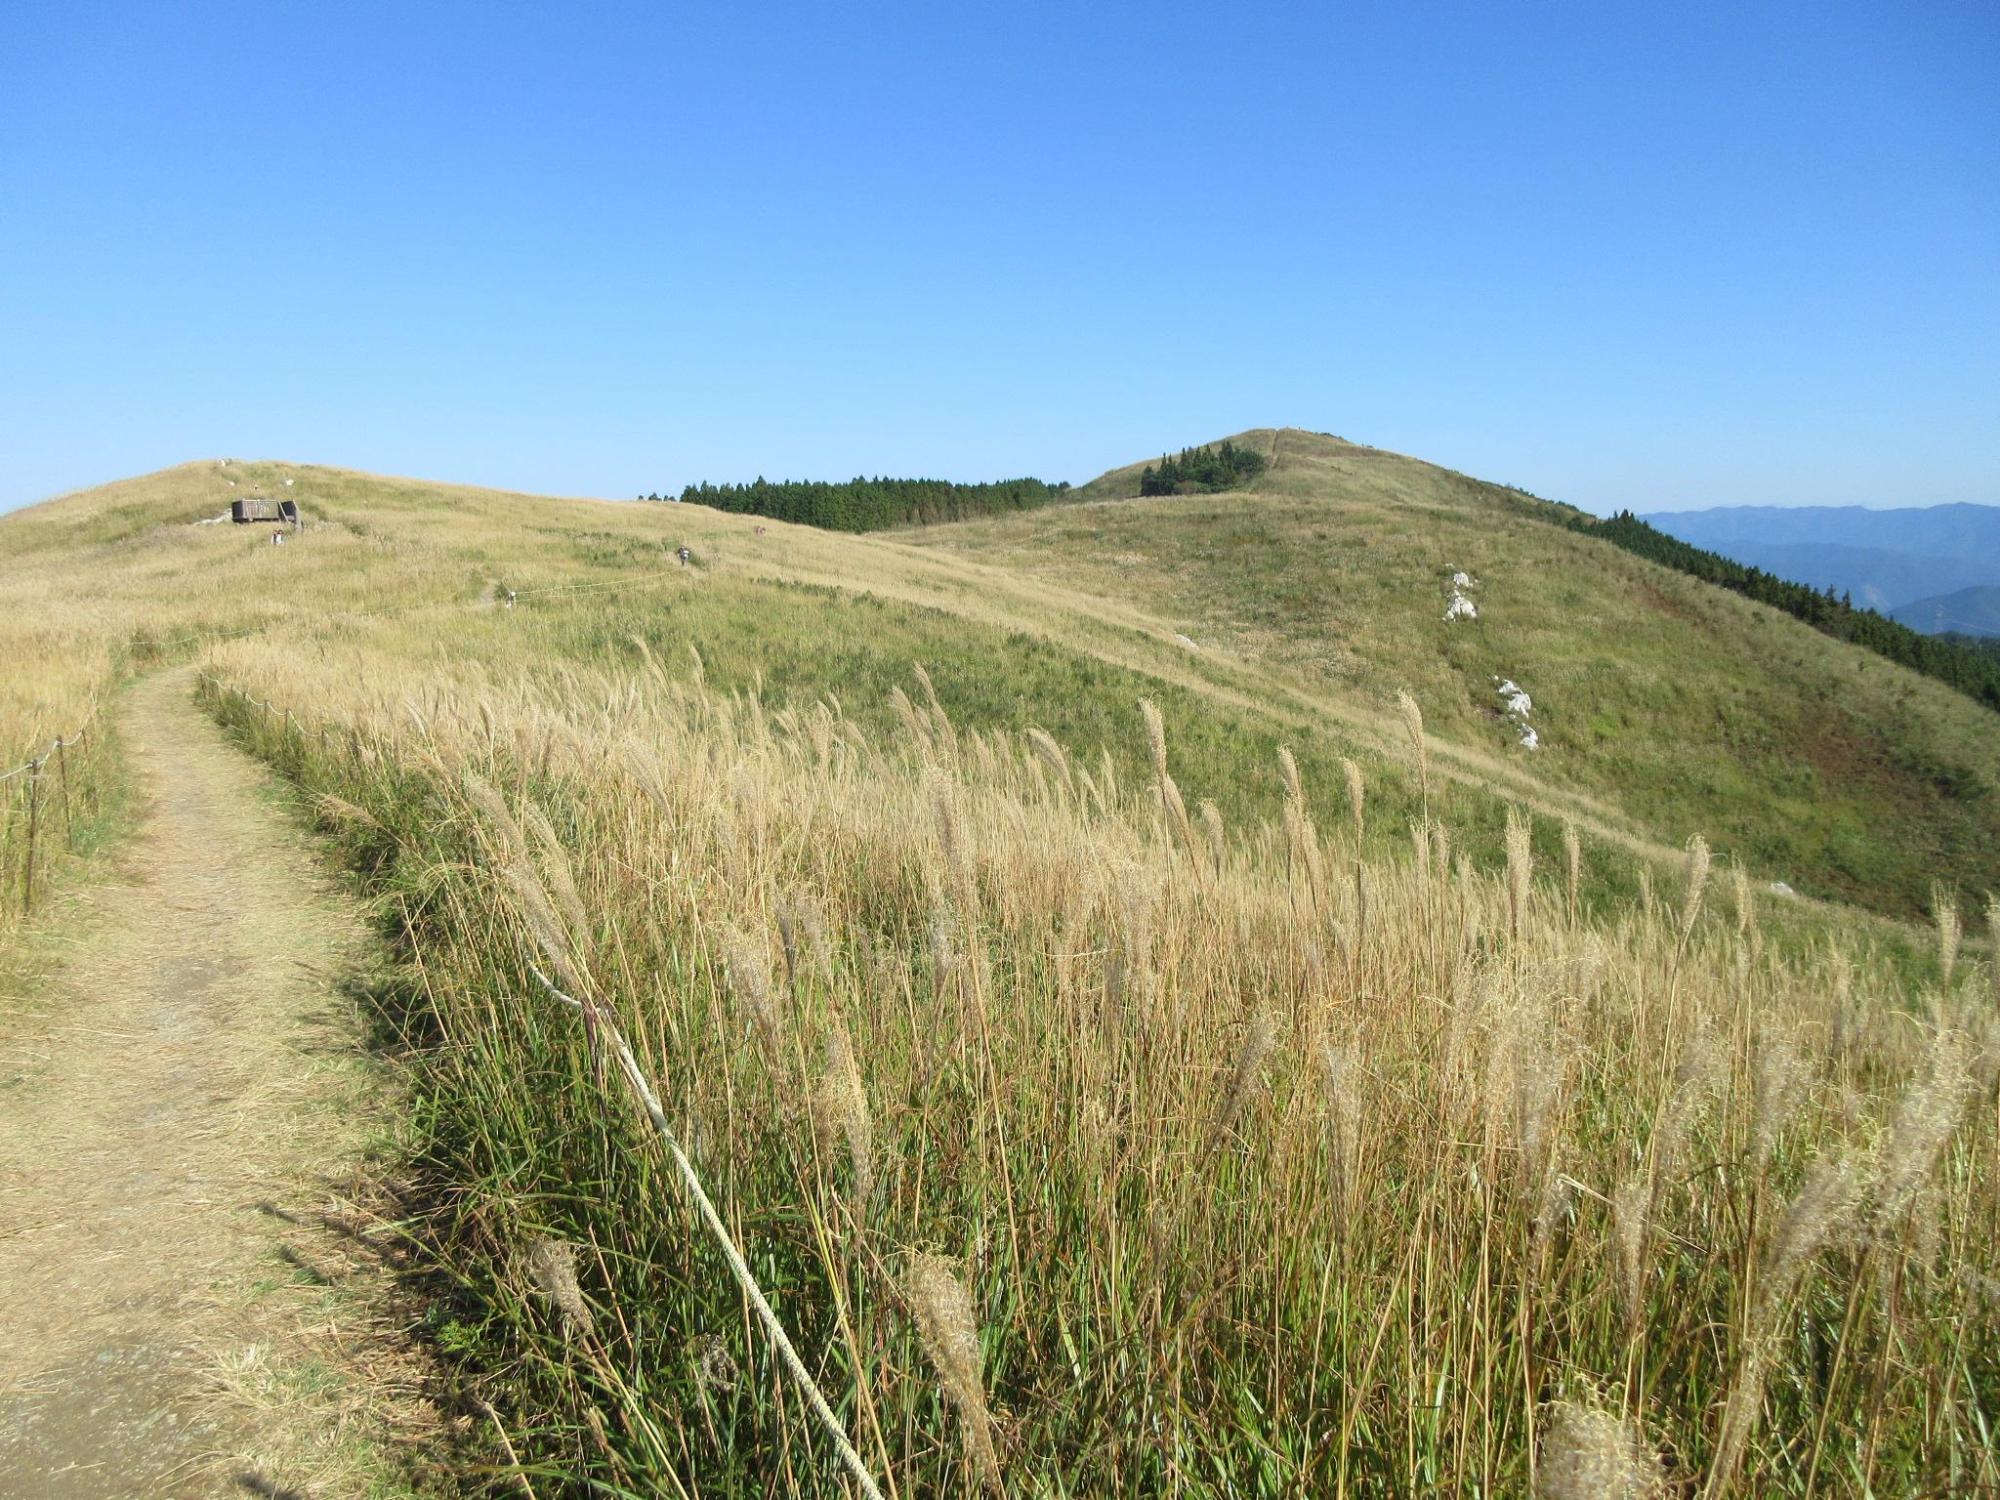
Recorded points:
(1498, 1170)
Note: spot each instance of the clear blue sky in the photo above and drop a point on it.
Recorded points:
(1705, 254)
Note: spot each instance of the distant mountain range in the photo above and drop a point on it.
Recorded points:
(1935, 569)
(1973, 611)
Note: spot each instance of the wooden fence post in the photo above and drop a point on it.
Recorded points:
(34, 822)
(62, 774)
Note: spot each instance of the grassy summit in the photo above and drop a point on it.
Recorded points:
(1686, 708)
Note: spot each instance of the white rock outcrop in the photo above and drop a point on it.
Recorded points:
(1517, 706)
(1460, 605)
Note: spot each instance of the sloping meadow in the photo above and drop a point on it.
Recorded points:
(1086, 1144)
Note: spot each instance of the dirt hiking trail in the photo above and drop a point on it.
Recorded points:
(179, 1104)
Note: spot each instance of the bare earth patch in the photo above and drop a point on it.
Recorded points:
(179, 1106)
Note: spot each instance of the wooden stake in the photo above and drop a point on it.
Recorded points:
(62, 772)
(34, 822)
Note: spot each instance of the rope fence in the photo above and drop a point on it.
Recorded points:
(36, 770)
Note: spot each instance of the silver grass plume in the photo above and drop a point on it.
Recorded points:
(538, 912)
(1828, 1196)
(1211, 827)
(1258, 1044)
(802, 935)
(1636, 1201)
(1589, 1452)
(1948, 931)
(1520, 870)
(1342, 1078)
(1781, 1077)
(949, 1331)
(1051, 755)
(1697, 883)
(714, 1367)
(1181, 827)
(841, 1109)
(954, 847)
(1573, 863)
(947, 737)
(1356, 793)
(1840, 980)
(747, 967)
(912, 720)
(1156, 737)
(1924, 1123)
(559, 881)
(1993, 945)
(552, 1264)
(1631, 1213)
(1699, 1070)
(1742, 898)
(1288, 773)
(1823, 1203)
(1413, 725)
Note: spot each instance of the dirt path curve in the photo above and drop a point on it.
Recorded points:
(190, 1070)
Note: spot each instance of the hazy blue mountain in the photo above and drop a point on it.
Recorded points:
(1973, 611)
(1884, 558)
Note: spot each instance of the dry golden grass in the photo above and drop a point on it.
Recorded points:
(1267, 1168)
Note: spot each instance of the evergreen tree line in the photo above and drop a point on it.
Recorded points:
(863, 504)
(1202, 471)
(1984, 645)
(1973, 671)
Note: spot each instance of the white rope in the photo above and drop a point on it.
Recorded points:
(60, 742)
(637, 1078)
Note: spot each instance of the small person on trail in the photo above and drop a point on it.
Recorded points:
(684, 555)
(277, 539)
(760, 531)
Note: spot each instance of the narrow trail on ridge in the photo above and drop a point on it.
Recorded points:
(178, 1106)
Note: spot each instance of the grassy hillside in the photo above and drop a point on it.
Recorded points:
(117, 577)
(1687, 708)
(1110, 1099)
